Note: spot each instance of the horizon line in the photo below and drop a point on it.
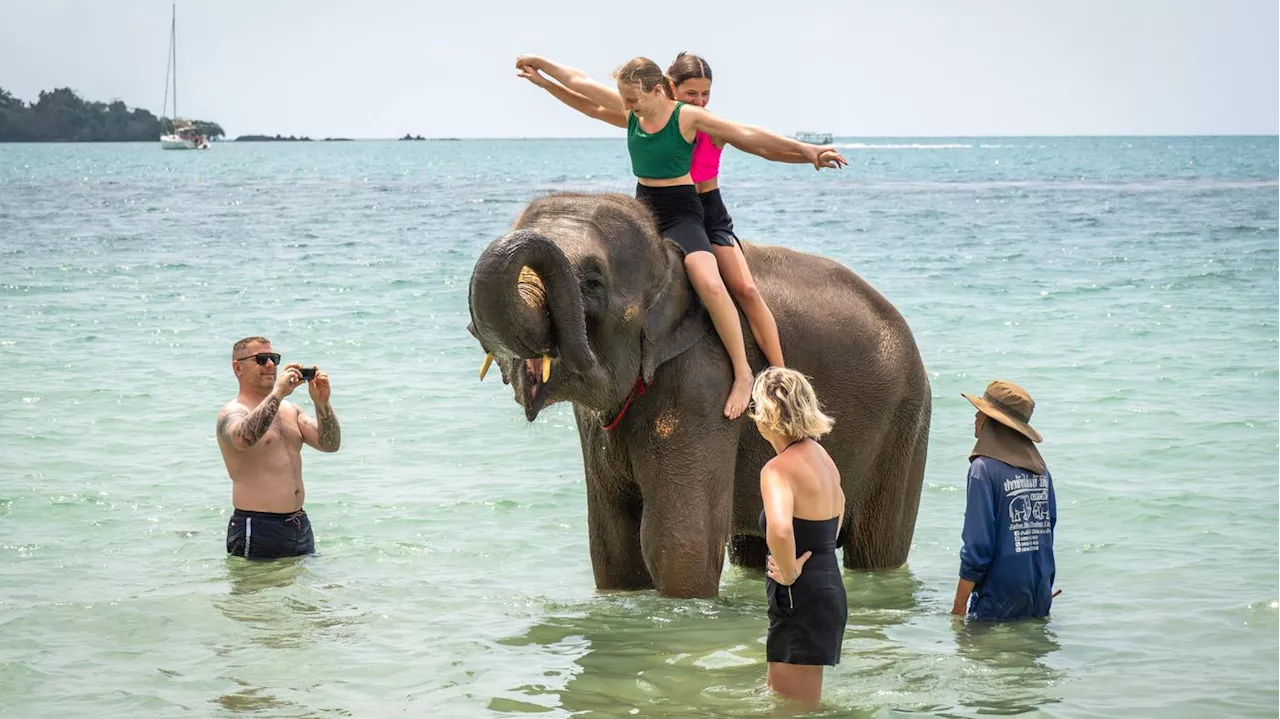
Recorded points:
(834, 136)
(459, 138)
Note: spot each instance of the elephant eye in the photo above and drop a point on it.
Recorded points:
(593, 284)
(595, 296)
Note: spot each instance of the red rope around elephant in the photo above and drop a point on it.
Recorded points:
(640, 388)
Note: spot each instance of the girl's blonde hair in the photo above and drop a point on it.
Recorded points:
(644, 74)
(784, 402)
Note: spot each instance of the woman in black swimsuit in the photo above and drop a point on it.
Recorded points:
(802, 518)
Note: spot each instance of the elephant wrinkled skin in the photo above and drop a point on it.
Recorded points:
(581, 298)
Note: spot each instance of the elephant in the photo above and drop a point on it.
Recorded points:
(582, 301)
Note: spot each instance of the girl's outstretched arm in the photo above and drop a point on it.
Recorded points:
(575, 80)
(577, 101)
(762, 142)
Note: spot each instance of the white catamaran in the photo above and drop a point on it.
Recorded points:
(182, 135)
(814, 138)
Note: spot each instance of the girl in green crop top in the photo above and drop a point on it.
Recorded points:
(660, 140)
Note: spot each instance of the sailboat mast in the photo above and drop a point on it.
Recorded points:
(168, 68)
(173, 42)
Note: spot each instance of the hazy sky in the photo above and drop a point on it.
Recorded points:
(444, 68)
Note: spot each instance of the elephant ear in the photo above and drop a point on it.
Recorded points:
(673, 322)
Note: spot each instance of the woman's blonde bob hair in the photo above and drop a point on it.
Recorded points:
(783, 401)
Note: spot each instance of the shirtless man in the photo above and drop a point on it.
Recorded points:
(261, 437)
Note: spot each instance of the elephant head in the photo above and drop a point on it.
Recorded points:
(579, 299)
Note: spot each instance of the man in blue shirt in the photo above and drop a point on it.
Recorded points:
(1006, 564)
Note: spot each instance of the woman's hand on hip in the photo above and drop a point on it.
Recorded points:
(774, 573)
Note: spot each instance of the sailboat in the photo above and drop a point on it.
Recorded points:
(182, 135)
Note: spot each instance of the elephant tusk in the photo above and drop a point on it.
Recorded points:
(546, 368)
(488, 360)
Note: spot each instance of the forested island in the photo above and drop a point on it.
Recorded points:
(61, 115)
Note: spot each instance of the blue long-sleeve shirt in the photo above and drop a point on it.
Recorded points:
(1009, 518)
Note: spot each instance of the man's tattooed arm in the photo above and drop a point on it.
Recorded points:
(243, 428)
(330, 432)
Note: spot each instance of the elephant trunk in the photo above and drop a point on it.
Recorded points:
(525, 301)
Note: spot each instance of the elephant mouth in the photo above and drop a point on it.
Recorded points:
(531, 380)
(535, 385)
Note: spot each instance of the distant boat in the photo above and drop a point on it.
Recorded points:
(182, 135)
(814, 138)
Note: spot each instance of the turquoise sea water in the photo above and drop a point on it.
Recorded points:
(1129, 283)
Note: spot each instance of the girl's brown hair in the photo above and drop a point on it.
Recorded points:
(688, 66)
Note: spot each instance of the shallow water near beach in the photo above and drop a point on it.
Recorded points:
(1130, 284)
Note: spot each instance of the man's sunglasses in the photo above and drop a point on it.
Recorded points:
(262, 358)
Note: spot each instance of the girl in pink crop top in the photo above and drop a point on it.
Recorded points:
(706, 159)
